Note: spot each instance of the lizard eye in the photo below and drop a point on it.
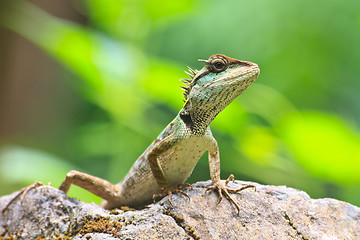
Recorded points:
(217, 65)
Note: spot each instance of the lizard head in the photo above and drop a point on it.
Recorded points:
(215, 86)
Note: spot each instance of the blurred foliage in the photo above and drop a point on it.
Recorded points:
(298, 125)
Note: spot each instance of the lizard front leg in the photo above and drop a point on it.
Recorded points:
(221, 187)
(160, 149)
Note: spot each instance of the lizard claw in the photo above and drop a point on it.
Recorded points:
(221, 188)
(22, 193)
(185, 185)
(170, 191)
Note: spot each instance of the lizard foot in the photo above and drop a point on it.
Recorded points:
(221, 188)
(22, 193)
(168, 192)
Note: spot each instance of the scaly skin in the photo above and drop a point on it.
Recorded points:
(166, 164)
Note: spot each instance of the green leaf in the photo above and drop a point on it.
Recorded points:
(162, 81)
(325, 145)
(258, 144)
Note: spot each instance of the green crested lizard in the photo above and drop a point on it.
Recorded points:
(166, 164)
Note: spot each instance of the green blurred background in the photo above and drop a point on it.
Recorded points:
(88, 85)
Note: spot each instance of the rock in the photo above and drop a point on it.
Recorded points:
(271, 212)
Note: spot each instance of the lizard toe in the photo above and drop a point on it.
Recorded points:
(169, 191)
(223, 189)
(22, 194)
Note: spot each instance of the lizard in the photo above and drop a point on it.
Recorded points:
(170, 159)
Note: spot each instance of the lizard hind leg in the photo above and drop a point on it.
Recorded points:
(95, 185)
(169, 191)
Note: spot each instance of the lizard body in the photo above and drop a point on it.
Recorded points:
(177, 164)
(171, 158)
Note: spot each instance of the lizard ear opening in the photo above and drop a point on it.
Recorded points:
(186, 118)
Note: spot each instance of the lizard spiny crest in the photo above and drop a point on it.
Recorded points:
(187, 81)
(216, 63)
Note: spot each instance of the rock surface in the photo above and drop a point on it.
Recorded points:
(272, 212)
